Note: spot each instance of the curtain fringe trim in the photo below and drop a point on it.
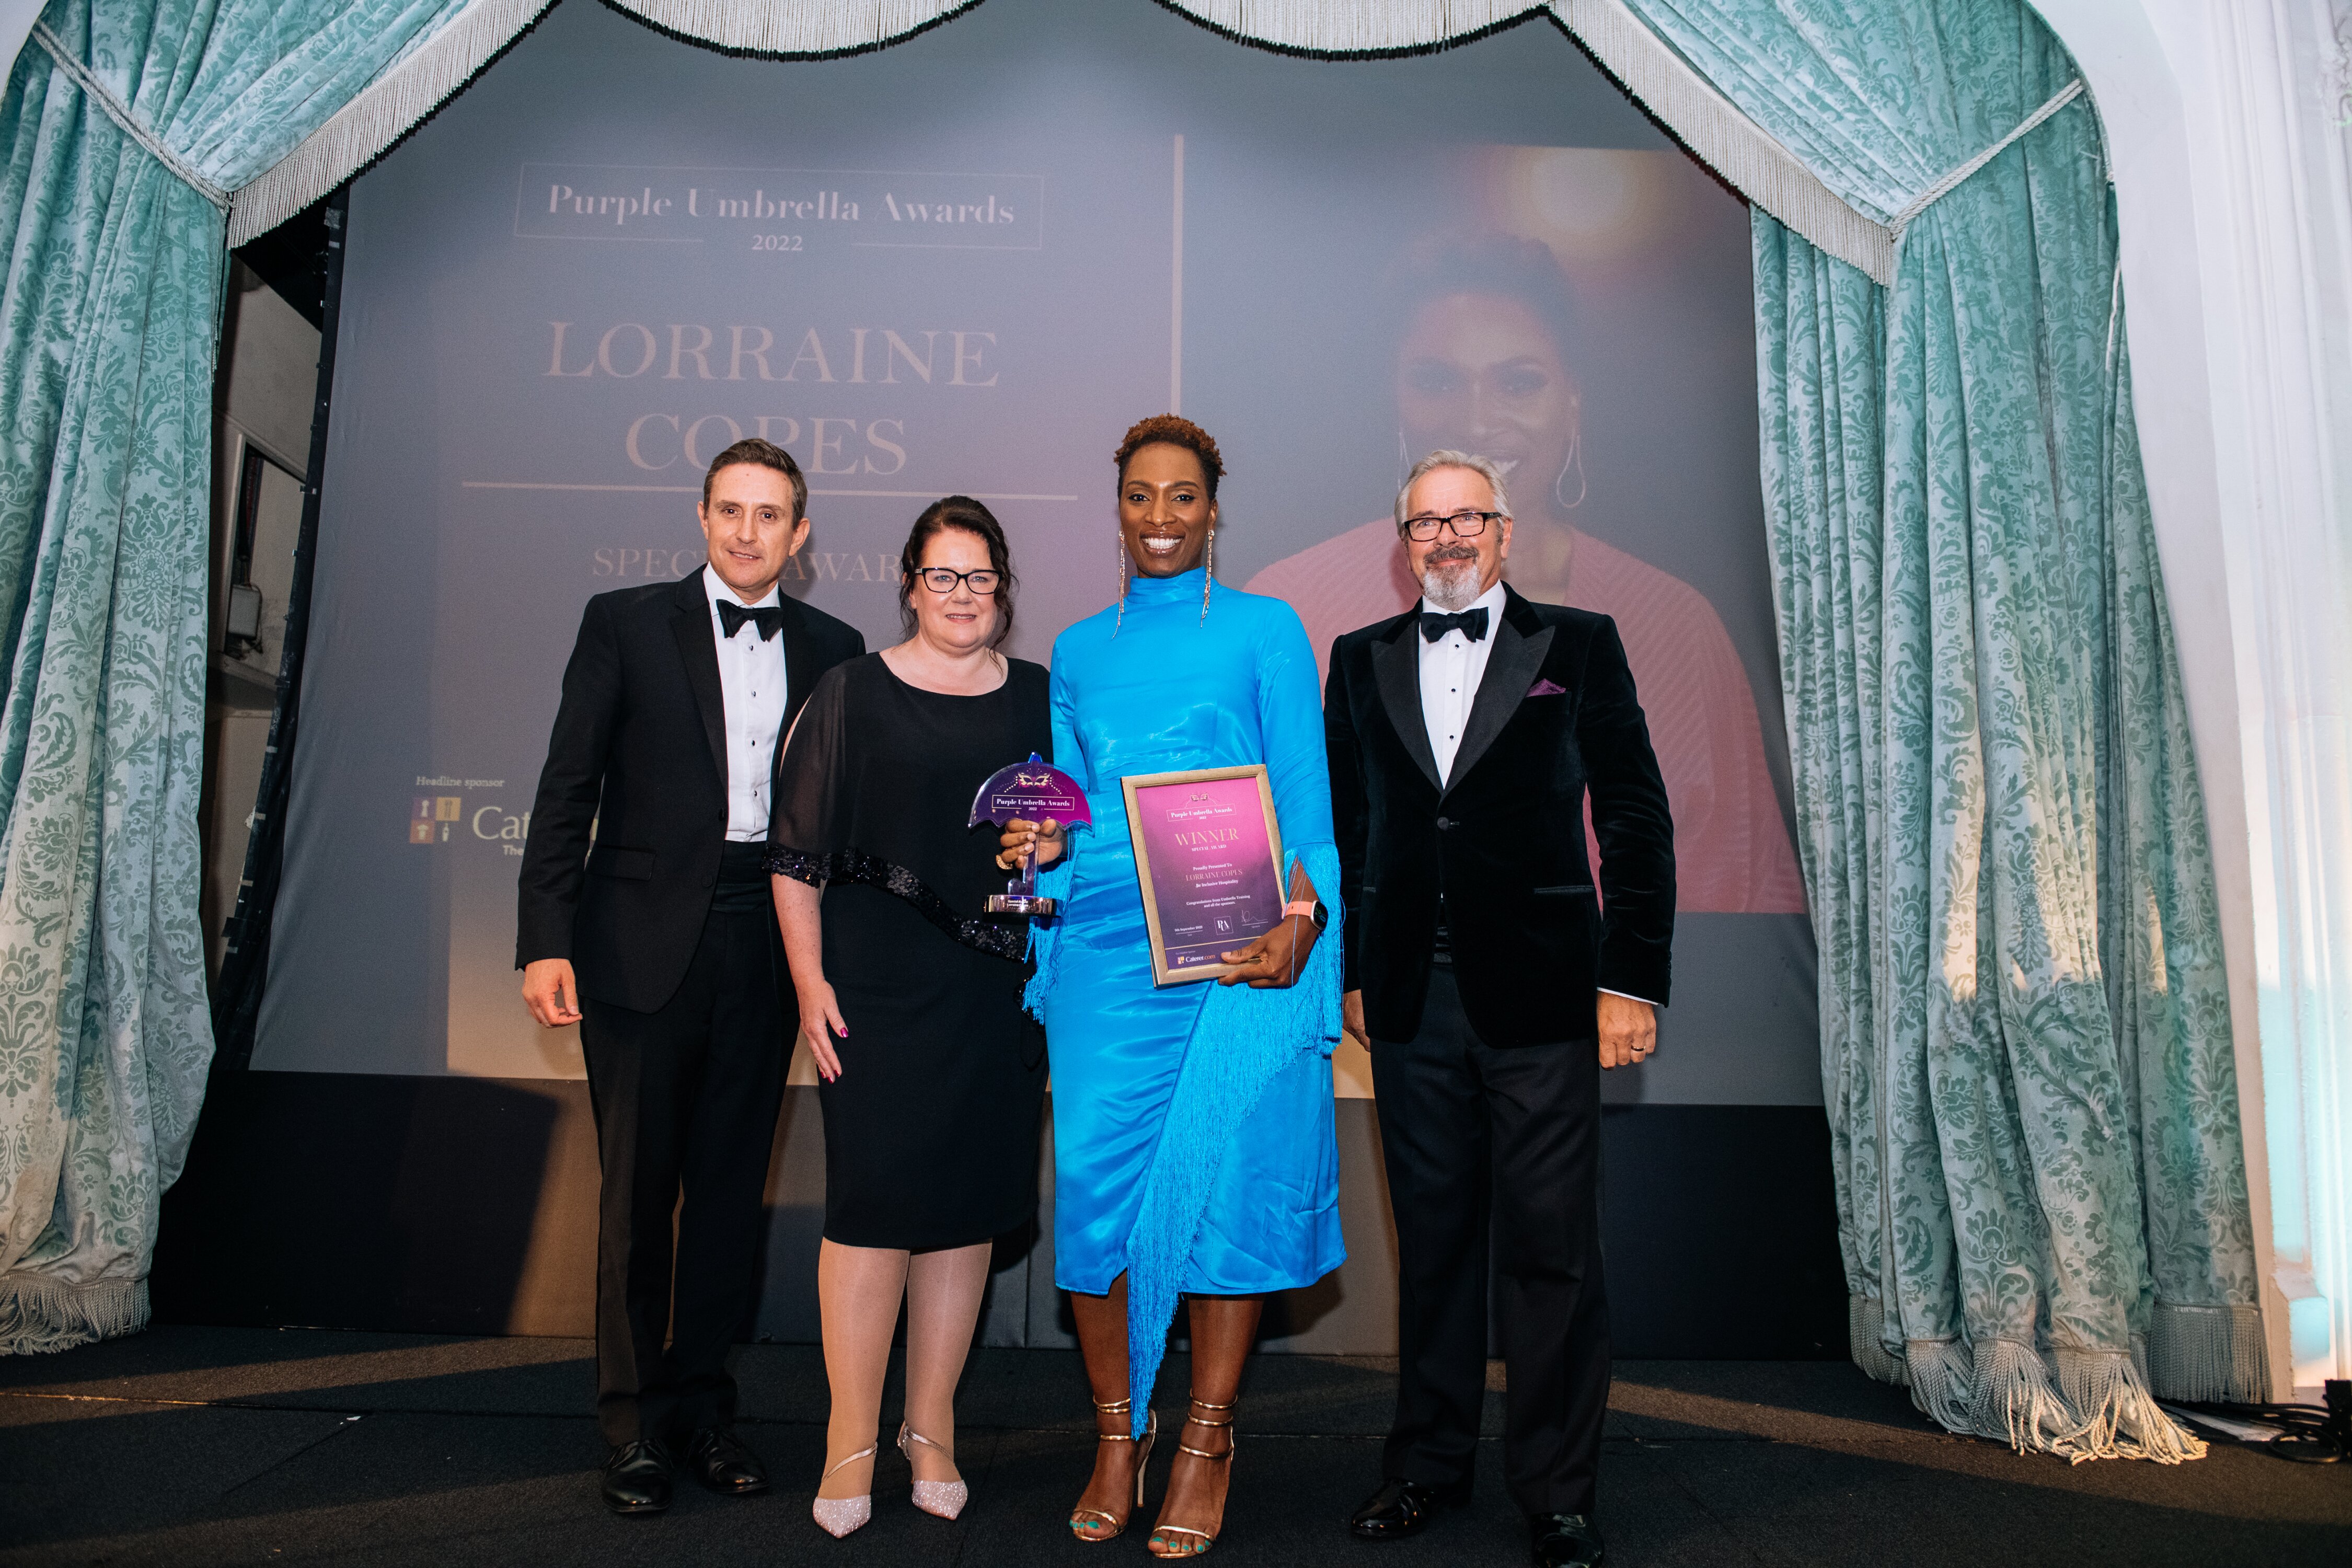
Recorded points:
(2120, 1417)
(98, 92)
(1351, 27)
(811, 27)
(1865, 1328)
(357, 134)
(379, 115)
(1941, 1373)
(1644, 64)
(1726, 139)
(39, 1316)
(2081, 1405)
(2209, 1354)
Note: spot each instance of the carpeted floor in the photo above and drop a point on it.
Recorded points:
(189, 1446)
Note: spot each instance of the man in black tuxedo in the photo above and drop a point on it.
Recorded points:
(1490, 984)
(657, 937)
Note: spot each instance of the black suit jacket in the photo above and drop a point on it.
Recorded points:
(640, 752)
(1555, 718)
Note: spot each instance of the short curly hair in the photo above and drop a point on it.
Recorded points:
(1173, 430)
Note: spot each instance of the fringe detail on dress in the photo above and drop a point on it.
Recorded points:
(1046, 935)
(1240, 1040)
(2209, 1354)
(39, 1315)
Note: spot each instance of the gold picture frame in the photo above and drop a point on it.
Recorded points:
(1210, 870)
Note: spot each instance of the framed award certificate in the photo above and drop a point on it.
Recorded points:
(1208, 853)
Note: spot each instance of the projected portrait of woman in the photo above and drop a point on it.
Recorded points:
(1485, 364)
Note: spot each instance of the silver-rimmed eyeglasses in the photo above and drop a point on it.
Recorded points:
(943, 579)
(1465, 524)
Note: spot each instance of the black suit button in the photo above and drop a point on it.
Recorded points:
(1444, 823)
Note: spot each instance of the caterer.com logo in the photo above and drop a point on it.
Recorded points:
(439, 818)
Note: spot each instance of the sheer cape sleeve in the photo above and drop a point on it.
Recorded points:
(808, 819)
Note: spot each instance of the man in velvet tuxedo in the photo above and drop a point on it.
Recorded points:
(656, 935)
(1491, 982)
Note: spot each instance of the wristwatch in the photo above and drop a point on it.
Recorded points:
(1313, 911)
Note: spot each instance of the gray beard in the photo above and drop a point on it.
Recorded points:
(1452, 585)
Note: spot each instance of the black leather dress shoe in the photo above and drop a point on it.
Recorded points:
(1401, 1507)
(723, 1463)
(637, 1477)
(1563, 1541)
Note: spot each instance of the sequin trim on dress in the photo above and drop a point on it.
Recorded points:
(997, 938)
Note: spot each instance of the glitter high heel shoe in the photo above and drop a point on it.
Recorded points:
(837, 1516)
(944, 1499)
(1142, 1457)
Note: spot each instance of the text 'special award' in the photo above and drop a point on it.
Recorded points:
(1031, 791)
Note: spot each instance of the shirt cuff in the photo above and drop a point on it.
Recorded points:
(1629, 996)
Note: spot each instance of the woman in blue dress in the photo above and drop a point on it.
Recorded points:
(1193, 1153)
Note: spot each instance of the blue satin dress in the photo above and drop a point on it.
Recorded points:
(1192, 1124)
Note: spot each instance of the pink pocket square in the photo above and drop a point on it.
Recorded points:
(1546, 688)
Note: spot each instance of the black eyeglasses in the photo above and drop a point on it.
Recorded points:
(1465, 524)
(943, 579)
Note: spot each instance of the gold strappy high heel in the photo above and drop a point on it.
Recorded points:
(1142, 1457)
(1206, 1538)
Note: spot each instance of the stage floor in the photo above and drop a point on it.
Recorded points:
(242, 1446)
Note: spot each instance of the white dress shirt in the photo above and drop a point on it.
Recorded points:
(752, 679)
(1451, 669)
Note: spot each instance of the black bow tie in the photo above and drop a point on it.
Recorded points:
(769, 619)
(1471, 624)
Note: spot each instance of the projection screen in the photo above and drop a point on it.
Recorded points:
(967, 263)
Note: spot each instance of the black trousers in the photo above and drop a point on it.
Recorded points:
(1485, 1142)
(686, 1101)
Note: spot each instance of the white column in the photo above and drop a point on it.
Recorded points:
(2226, 124)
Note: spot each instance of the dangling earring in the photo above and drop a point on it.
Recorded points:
(1576, 461)
(1209, 576)
(1122, 586)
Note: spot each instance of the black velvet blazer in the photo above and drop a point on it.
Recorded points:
(639, 749)
(1555, 721)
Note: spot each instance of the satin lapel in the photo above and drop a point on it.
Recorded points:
(800, 661)
(698, 645)
(1396, 670)
(1510, 670)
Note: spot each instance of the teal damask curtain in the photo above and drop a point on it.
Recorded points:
(113, 217)
(2026, 1044)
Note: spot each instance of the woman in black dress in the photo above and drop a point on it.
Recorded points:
(910, 995)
